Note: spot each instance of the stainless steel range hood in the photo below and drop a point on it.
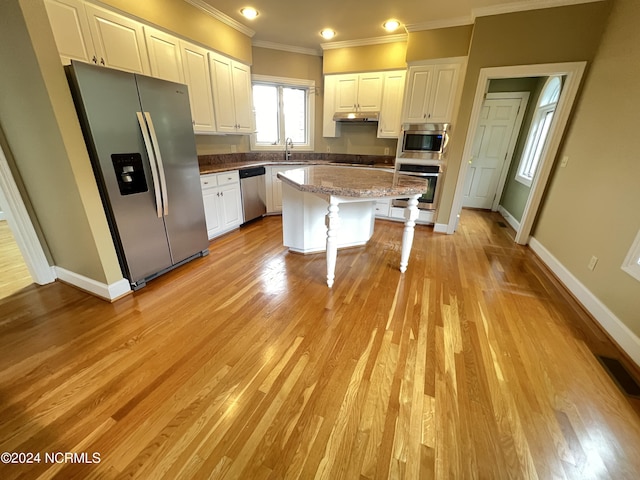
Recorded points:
(356, 117)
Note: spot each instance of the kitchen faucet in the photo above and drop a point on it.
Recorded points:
(288, 145)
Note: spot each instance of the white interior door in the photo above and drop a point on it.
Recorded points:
(498, 127)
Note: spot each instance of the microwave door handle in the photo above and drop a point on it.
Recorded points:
(163, 180)
(152, 162)
(446, 141)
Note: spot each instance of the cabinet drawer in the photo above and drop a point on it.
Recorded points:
(208, 181)
(228, 177)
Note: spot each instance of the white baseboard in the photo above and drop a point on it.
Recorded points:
(3, 216)
(107, 292)
(515, 224)
(440, 228)
(621, 334)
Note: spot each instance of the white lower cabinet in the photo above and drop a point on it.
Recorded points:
(382, 207)
(274, 187)
(424, 216)
(222, 202)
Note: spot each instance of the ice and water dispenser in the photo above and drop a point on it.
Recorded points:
(129, 172)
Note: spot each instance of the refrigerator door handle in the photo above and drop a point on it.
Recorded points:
(163, 181)
(152, 162)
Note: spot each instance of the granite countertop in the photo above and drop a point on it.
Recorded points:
(226, 162)
(346, 182)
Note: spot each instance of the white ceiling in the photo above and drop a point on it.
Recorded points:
(297, 23)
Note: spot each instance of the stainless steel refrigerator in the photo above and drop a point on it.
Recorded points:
(139, 135)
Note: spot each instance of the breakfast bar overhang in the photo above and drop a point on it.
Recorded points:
(329, 207)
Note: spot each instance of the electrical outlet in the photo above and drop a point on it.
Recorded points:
(564, 161)
(592, 263)
(328, 149)
(386, 150)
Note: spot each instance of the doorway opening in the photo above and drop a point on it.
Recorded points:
(571, 73)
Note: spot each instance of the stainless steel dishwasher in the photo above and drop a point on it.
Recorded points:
(252, 187)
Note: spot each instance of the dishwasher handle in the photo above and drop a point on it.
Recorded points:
(252, 172)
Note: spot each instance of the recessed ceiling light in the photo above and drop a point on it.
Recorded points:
(391, 25)
(249, 12)
(327, 33)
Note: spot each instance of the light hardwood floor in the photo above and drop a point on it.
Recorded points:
(15, 274)
(244, 365)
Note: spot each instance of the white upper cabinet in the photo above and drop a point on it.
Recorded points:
(70, 27)
(242, 97)
(231, 87)
(358, 92)
(219, 88)
(119, 41)
(165, 58)
(365, 92)
(389, 124)
(431, 93)
(197, 78)
(92, 34)
(329, 127)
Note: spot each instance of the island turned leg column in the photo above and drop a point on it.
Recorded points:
(410, 214)
(333, 223)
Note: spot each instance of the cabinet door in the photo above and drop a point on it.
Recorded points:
(164, 55)
(418, 94)
(391, 108)
(329, 127)
(196, 76)
(346, 93)
(70, 27)
(230, 206)
(222, 88)
(445, 83)
(119, 41)
(211, 199)
(241, 78)
(369, 92)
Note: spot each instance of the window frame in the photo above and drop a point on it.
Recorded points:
(309, 87)
(535, 140)
(631, 263)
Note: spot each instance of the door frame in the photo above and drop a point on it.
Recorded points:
(21, 226)
(513, 140)
(573, 73)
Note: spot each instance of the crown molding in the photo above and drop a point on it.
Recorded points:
(218, 15)
(435, 24)
(525, 5)
(401, 37)
(286, 48)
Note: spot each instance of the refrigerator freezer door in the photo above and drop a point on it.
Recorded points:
(166, 107)
(108, 101)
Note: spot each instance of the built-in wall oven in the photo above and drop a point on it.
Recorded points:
(431, 173)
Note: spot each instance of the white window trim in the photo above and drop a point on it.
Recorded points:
(289, 82)
(532, 142)
(631, 263)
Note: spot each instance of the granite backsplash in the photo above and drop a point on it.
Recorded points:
(250, 157)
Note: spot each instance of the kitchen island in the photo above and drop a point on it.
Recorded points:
(328, 207)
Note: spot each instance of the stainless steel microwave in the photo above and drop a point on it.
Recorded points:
(425, 141)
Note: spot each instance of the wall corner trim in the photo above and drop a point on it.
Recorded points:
(619, 332)
(109, 292)
(511, 220)
(440, 228)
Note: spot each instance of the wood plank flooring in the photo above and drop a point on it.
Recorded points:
(244, 365)
(15, 275)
